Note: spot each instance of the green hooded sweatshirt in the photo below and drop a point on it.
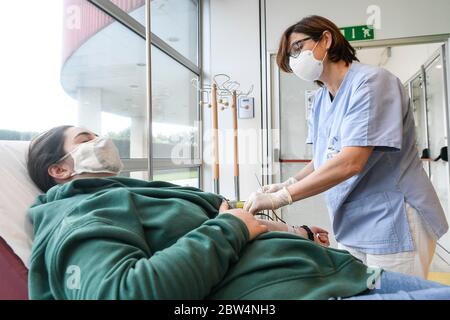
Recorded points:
(120, 238)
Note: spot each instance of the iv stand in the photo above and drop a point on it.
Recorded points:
(236, 146)
(215, 139)
(224, 88)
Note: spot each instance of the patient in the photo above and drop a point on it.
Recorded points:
(99, 236)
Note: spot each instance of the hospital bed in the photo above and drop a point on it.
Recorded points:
(17, 193)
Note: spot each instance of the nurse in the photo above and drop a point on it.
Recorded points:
(383, 207)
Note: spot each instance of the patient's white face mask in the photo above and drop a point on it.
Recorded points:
(96, 156)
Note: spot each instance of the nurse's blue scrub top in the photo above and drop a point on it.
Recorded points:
(368, 211)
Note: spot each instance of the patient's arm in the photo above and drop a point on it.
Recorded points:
(320, 235)
(271, 225)
(282, 227)
(276, 226)
(114, 263)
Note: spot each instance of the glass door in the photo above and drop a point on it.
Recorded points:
(428, 91)
(416, 89)
(438, 122)
(437, 127)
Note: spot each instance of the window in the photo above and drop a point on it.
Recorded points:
(182, 177)
(175, 126)
(173, 21)
(104, 70)
(175, 109)
(175, 101)
(32, 98)
(101, 81)
(176, 23)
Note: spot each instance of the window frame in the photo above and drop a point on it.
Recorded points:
(150, 164)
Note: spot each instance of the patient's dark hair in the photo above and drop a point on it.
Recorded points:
(44, 151)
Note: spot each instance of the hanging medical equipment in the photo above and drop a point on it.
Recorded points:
(217, 96)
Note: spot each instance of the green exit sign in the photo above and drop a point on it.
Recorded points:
(358, 33)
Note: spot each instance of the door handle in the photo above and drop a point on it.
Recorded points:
(443, 155)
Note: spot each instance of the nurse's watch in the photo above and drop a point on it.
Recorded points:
(309, 232)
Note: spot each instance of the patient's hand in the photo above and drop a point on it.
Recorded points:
(254, 226)
(224, 207)
(321, 236)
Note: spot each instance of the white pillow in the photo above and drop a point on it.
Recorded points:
(17, 194)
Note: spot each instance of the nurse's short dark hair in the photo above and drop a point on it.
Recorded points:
(314, 27)
(45, 150)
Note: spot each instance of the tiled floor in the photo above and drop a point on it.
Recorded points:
(439, 270)
(441, 277)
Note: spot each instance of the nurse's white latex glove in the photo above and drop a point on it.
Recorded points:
(267, 201)
(270, 188)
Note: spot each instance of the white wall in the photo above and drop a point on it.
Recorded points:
(399, 18)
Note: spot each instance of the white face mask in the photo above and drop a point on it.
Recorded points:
(306, 66)
(96, 156)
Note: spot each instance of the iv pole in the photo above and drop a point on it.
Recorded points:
(225, 88)
(215, 139)
(236, 146)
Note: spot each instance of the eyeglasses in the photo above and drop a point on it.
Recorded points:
(297, 47)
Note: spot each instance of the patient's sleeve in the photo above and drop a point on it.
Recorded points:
(102, 261)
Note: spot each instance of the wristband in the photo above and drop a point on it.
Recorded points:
(309, 232)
